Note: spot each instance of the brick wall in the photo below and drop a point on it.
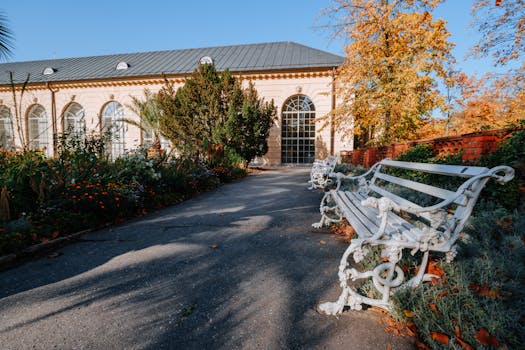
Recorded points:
(472, 146)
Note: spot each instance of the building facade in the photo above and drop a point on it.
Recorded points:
(92, 95)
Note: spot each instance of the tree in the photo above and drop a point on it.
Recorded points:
(396, 52)
(6, 38)
(502, 28)
(210, 109)
(247, 131)
(193, 115)
(149, 113)
(490, 102)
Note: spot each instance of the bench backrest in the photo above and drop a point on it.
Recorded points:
(452, 190)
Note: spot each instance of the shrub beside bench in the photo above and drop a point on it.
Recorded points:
(384, 213)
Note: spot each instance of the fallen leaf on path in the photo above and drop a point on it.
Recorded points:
(408, 313)
(214, 246)
(433, 269)
(440, 337)
(464, 345)
(378, 309)
(322, 242)
(459, 339)
(434, 308)
(412, 329)
(422, 346)
(483, 336)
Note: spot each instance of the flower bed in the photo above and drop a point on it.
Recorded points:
(45, 198)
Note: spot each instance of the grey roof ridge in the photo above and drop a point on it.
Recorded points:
(123, 54)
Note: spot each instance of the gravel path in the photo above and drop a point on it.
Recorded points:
(236, 268)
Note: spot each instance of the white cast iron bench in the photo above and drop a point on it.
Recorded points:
(393, 222)
(320, 171)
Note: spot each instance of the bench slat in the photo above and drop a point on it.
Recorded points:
(430, 190)
(372, 213)
(364, 219)
(357, 215)
(442, 169)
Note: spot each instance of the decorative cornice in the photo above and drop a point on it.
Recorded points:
(174, 79)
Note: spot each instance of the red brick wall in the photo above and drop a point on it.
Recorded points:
(472, 146)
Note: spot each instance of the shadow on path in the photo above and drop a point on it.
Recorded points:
(238, 267)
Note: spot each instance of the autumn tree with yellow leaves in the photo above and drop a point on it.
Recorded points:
(388, 83)
(494, 100)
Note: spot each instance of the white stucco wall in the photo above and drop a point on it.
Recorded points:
(94, 97)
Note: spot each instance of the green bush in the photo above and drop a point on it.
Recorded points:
(512, 153)
(420, 153)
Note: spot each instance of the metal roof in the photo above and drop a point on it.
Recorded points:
(236, 58)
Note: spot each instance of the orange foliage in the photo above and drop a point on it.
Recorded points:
(396, 52)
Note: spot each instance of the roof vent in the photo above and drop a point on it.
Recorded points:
(49, 71)
(122, 65)
(206, 60)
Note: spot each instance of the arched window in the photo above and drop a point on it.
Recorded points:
(298, 130)
(74, 120)
(6, 128)
(37, 128)
(112, 123)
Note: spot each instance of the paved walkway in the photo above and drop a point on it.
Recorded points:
(235, 268)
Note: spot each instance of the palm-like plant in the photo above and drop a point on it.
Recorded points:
(149, 115)
(6, 38)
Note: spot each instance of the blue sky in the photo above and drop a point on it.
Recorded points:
(60, 29)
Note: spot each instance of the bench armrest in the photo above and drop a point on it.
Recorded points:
(470, 188)
(436, 213)
(341, 176)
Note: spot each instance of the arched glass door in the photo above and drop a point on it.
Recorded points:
(298, 131)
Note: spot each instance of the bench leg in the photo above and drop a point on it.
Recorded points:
(385, 277)
(325, 208)
(335, 308)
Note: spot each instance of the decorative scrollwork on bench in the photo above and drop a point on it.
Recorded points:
(375, 212)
